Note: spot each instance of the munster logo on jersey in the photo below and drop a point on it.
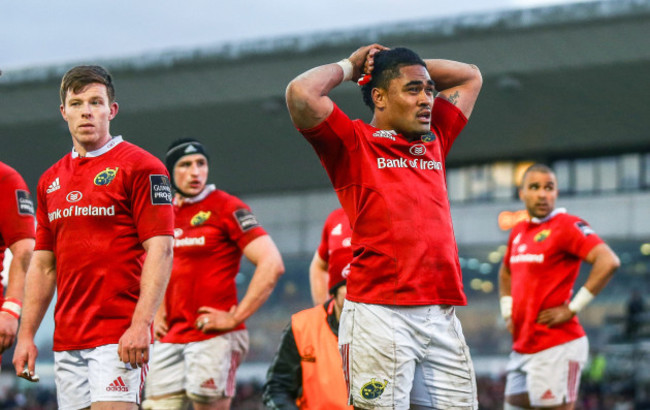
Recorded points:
(542, 235)
(428, 137)
(200, 218)
(106, 176)
(373, 389)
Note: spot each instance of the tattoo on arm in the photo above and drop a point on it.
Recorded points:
(454, 98)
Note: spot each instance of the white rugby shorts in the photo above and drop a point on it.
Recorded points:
(550, 377)
(93, 375)
(398, 356)
(206, 368)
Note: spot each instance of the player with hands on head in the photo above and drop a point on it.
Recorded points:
(200, 326)
(17, 234)
(536, 279)
(104, 243)
(389, 176)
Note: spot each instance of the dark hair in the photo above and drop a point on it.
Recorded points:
(387, 64)
(545, 169)
(80, 76)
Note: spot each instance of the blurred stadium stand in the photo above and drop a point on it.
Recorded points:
(565, 85)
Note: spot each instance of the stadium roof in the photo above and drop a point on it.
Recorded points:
(560, 81)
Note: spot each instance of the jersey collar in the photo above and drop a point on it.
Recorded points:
(200, 197)
(103, 150)
(548, 217)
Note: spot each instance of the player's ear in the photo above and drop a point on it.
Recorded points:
(114, 109)
(379, 97)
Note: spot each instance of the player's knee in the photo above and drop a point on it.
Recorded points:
(202, 398)
(172, 402)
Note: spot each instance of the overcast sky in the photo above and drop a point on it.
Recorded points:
(42, 32)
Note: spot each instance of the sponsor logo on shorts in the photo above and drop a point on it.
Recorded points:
(246, 219)
(390, 134)
(200, 218)
(209, 384)
(428, 137)
(106, 176)
(161, 190)
(24, 202)
(309, 355)
(542, 235)
(73, 196)
(373, 389)
(55, 185)
(118, 385)
(418, 149)
(584, 228)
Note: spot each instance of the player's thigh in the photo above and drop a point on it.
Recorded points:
(444, 377)
(71, 379)
(379, 350)
(212, 365)
(166, 370)
(112, 380)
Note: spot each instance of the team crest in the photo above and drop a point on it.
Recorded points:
(428, 137)
(200, 218)
(373, 389)
(542, 235)
(106, 176)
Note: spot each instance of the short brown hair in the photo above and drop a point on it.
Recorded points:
(80, 76)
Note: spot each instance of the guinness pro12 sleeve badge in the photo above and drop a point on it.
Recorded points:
(246, 219)
(24, 202)
(161, 190)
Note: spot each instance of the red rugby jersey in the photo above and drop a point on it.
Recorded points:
(395, 195)
(16, 211)
(211, 230)
(94, 213)
(544, 261)
(335, 246)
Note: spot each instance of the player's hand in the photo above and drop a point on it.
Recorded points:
(25, 356)
(555, 315)
(133, 347)
(215, 320)
(363, 59)
(160, 327)
(8, 329)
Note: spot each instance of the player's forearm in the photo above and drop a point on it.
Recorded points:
(155, 276)
(264, 279)
(22, 254)
(40, 283)
(605, 263)
(504, 282)
(307, 95)
(449, 74)
(318, 276)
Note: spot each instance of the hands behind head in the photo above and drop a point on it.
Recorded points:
(363, 60)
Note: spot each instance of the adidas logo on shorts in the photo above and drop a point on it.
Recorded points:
(209, 384)
(548, 395)
(117, 385)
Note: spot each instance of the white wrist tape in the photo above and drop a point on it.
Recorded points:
(348, 69)
(13, 307)
(506, 306)
(580, 300)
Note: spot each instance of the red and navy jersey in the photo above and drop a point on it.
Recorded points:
(211, 231)
(16, 211)
(94, 213)
(335, 246)
(544, 258)
(394, 192)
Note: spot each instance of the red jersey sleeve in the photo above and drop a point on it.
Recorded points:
(151, 197)
(44, 237)
(241, 224)
(16, 209)
(579, 237)
(447, 121)
(332, 134)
